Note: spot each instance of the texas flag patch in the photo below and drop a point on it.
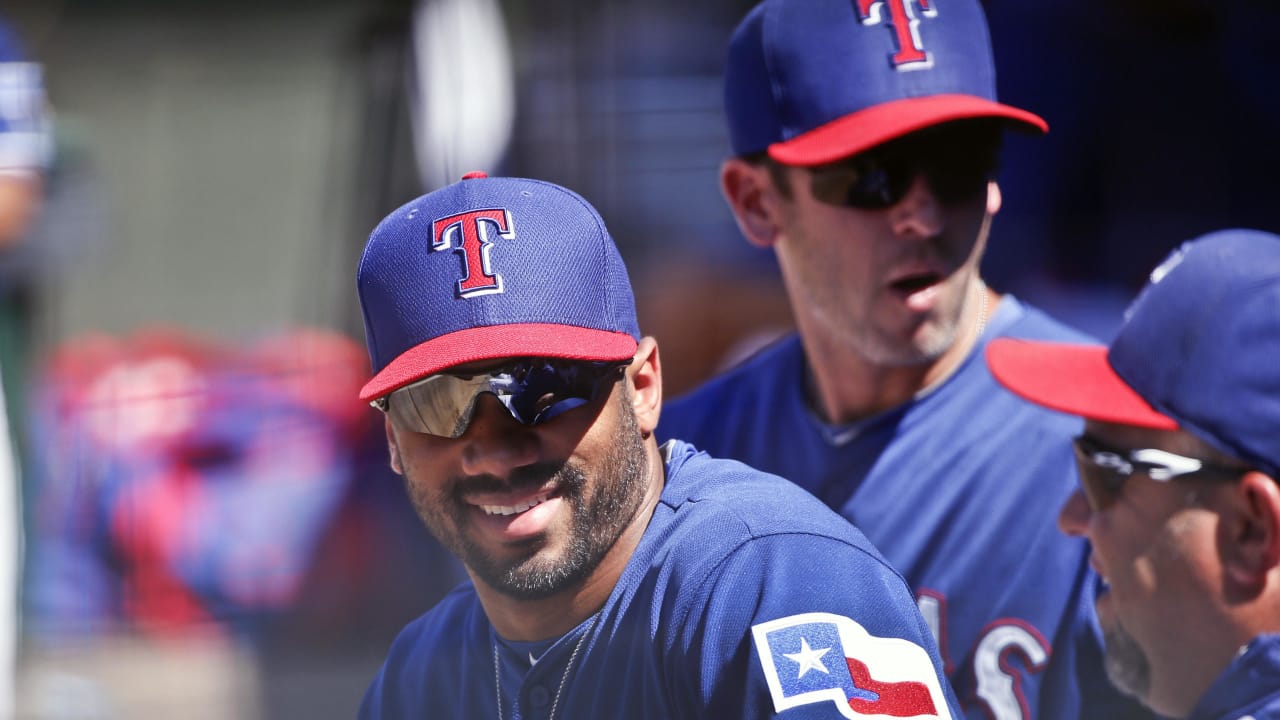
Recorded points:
(816, 657)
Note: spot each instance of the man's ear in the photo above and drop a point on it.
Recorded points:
(645, 374)
(750, 192)
(1250, 536)
(393, 448)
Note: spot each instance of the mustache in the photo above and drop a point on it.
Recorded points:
(529, 477)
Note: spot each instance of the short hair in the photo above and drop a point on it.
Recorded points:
(777, 171)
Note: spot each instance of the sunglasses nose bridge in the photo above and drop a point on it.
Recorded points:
(489, 407)
(1098, 484)
(919, 210)
(1096, 493)
(495, 441)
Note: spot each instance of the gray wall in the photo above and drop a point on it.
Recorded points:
(216, 140)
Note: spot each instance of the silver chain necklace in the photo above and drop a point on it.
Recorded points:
(982, 310)
(555, 703)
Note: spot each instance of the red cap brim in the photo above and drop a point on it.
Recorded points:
(863, 130)
(496, 342)
(1075, 379)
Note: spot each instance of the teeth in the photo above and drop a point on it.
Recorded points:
(513, 509)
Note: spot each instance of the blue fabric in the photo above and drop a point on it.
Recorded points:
(1201, 343)
(1249, 687)
(728, 549)
(960, 490)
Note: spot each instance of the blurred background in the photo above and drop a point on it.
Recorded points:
(196, 518)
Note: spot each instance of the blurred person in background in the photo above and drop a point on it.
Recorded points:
(867, 138)
(1179, 463)
(185, 484)
(24, 138)
(24, 155)
(26, 152)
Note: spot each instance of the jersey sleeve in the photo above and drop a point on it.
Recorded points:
(807, 626)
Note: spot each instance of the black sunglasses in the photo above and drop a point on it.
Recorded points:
(957, 162)
(533, 390)
(1104, 469)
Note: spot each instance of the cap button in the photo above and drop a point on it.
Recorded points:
(475, 174)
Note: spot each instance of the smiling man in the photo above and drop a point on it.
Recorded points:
(866, 136)
(1179, 462)
(610, 577)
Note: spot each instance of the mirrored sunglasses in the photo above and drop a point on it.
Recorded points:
(1104, 469)
(533, 390)
(957, 163)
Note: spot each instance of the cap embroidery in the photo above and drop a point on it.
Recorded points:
(911, 54)
(468, 234)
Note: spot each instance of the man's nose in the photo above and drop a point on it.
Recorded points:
(919, 212)
(495, 442)
(1073, 518)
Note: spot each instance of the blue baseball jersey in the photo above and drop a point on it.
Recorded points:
(1248, 688)
(960, 489)
(745, 598)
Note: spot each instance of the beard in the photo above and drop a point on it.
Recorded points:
(601, 505)
(935, 337)
(1127, 666)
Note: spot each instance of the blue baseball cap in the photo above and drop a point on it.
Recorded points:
(490, 268)
(815, 81)
(1199, 350)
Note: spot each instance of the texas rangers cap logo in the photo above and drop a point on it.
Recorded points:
(468, 234)
(911, 54)
(820, 657)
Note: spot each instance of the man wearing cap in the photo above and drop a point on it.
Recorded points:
(1179, 462)
(609, 576)
(866, 136)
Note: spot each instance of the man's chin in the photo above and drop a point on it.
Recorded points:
(537, 580)
(1126, 664)
(929, 343)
